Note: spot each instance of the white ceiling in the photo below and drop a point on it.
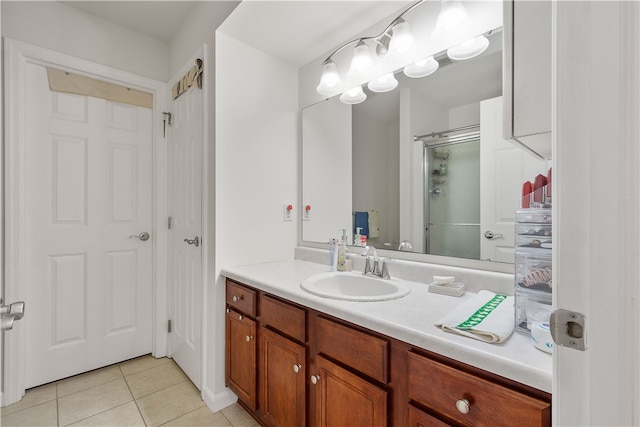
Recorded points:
(299, 31)
(157, 19)
(295, 31)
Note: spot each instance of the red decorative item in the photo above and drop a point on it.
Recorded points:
(540, 182)
(527, 188)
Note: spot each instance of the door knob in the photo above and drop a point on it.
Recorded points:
(491, 235)
(144, 236)
(195, 241)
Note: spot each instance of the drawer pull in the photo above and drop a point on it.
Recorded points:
(463, 406)
(315, 379)
(236, 298)
(297, 368)
(248, 338)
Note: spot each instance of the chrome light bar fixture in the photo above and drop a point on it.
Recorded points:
(395, 41)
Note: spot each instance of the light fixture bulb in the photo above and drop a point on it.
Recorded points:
(330, 82)
(453, 16)
(421, 68)
(353, 96)
(401, 39)
(468, 49)
(383, 83)
(362, 60)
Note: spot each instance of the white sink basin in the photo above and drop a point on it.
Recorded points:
(354, 287)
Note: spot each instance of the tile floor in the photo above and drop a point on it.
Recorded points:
(139, 392)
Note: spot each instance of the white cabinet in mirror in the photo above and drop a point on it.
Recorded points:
(439, 191)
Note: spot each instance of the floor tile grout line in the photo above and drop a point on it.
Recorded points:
(97, 413)
(135, 401)
(169, 360)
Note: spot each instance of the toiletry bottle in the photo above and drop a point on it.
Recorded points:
(342, 252)
(333, 254)
(356, 237)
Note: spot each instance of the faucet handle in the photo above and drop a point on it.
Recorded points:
(385, 269)
(367, 266)
(376, 266)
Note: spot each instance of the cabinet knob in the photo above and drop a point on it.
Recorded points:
(248, 338)
(315, 379)
(297, 368)
(463, 406)
(236, 298)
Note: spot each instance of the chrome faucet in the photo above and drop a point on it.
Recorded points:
(374, 266)
(405, 245)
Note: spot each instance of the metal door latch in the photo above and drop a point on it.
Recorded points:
(11, 313)
(568, 329)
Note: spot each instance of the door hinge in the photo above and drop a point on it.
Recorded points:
(169, 326)
(166, 120)
(169, 222)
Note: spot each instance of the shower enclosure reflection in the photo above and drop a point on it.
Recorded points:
(452, 194)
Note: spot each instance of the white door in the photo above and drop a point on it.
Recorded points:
(596, 214)
(185, 241)
(88, 189)
(503, 168)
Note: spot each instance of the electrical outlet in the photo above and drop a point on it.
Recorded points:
(288, 211)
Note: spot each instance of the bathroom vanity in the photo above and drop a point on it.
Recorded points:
(294, 358)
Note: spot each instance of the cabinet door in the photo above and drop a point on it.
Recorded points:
(344, 399)
(282, 380)
(241, 357)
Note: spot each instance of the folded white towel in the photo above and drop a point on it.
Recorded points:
(487, 317)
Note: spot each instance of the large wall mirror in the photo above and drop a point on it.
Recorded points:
(422, 168)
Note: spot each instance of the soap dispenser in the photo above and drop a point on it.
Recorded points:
(342, 251)
(357, 237)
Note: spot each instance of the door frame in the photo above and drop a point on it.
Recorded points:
(16, 57)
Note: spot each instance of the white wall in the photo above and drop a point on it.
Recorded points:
(61, 28)
(256, 171)
(326, 153)
(371, 170)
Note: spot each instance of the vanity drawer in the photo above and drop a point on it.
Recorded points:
(418, 418)
(445, 390)
(241, 298)
(365, 353)
(286, 318)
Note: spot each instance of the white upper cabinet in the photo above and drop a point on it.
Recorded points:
(527, 75)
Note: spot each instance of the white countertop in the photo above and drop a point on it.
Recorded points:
(410, 319)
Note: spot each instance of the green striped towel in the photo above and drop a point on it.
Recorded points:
(487, 317)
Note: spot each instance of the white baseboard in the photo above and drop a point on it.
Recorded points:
(217, 402)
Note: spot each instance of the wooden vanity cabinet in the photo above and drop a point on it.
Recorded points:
(311, 369)
(468, 399)
(240, 363)
(349, 376)
(282, 363)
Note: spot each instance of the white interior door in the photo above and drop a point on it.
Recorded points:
(185, 256)
(88, 189)
(503, 169)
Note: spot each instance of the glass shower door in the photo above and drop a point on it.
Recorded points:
(452, 196)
